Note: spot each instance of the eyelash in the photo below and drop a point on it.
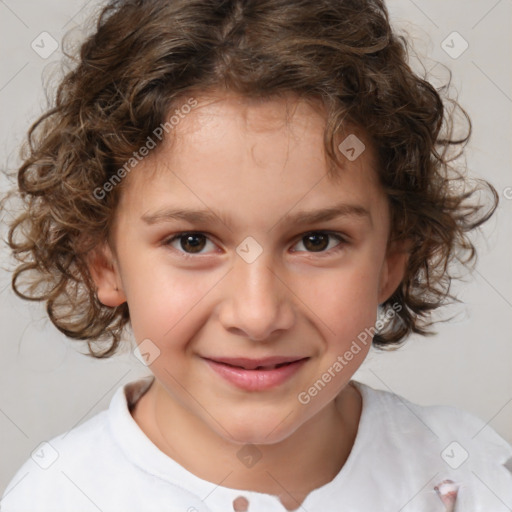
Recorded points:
(343, 241)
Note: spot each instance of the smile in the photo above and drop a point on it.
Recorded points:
(256, 374)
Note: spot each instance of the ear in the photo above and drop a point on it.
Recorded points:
(393, 269)
(105, 274)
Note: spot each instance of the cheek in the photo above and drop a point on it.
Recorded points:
(344, 300)
(165, 302)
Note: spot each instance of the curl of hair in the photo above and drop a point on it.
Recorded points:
(146, 55)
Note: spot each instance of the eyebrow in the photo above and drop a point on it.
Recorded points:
(300, 217)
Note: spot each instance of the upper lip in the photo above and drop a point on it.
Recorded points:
(251, 364)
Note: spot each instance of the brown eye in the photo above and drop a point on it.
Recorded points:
(193, 242)
(316, 242)
(188, 243)
(320, 242)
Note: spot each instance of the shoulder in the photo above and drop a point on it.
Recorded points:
(49, 474)
(440, 440)
(70, 471)
(437, 421)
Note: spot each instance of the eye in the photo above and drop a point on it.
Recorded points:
(188, 243)
(319, 241)
(191, 243)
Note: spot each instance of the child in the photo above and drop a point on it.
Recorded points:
(290, 144)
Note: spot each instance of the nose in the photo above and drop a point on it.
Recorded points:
(257, 302)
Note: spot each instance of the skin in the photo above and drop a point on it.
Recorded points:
(254, 162)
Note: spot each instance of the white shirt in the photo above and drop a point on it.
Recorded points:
(401, 452)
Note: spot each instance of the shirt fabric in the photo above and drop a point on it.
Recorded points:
(401, 453)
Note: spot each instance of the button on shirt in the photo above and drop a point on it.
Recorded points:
(405, 457)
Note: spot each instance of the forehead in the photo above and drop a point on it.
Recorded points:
(288, 120)
(261, 152)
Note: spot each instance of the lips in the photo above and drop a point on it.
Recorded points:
(267, 363)
(256, 374)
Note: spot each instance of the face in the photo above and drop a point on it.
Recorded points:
(234, 250)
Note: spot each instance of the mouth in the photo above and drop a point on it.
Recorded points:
(268, 363)
(256, 374)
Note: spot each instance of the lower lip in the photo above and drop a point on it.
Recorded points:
(256, 380)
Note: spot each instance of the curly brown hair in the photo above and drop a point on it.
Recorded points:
(145, 55)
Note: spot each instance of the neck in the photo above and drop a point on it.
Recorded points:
(325, 442)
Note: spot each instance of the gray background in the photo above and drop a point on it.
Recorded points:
(48, 387)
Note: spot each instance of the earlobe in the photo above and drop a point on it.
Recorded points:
(105, 274)
(393, 271)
